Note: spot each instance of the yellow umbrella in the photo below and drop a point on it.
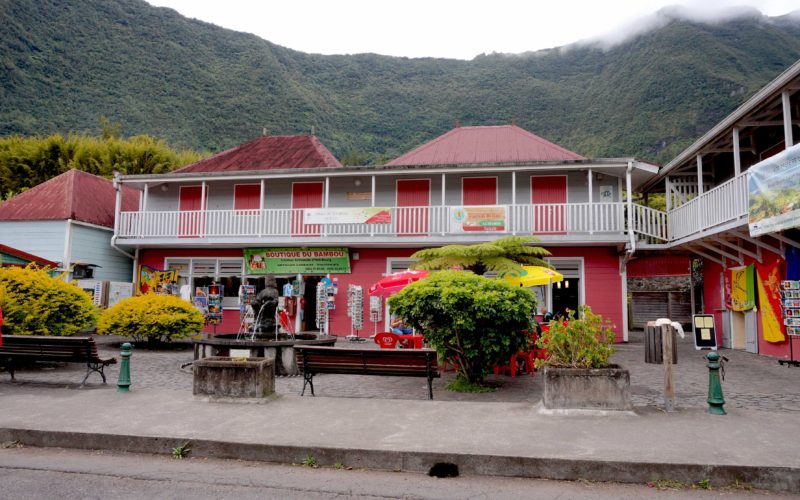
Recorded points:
(534, 275)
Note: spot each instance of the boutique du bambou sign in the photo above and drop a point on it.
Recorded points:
(297, 260)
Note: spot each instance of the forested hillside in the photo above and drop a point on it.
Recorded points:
(198, 86)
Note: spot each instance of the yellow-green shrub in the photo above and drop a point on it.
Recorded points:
(151, 317)
(34, 303)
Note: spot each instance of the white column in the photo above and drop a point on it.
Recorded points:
(327, 191)
(787, 120)
(373, 191)
(442, 189)
(67, 257)
(668, 192)
(737, 155)
(144, 198)
(591, 209)
(699, 174)
(513, 201)
(444, 217)
(203, 206)
(261, 196)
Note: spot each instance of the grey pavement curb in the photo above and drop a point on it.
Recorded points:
(769, 477)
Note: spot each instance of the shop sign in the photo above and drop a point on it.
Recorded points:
(479, 219)
(347, 215)
(297, 260)
(774, 193)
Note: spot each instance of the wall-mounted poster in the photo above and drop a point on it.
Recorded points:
(774, 193)
(156, 280)
(478, 219)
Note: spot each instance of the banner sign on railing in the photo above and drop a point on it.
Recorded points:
(347, 215)
(774, 192)
(297, 260)
(487, 218)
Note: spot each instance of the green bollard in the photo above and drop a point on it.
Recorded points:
(715, 398)
(124, 381)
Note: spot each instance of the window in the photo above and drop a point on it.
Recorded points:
(204, 272)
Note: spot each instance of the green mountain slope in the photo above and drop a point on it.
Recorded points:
(65, 63)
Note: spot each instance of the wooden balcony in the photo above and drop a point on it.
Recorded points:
(724, 206)
(569, 222)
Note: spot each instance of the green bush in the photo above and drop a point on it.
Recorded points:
(34, 303)
(151, 317)
(585, 341)
(471, 320)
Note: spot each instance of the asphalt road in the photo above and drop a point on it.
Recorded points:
(39, 473)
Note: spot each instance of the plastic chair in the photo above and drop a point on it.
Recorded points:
(387, 340)
(285, 322)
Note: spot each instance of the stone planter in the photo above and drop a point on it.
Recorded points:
(225, 377)
(606, 388)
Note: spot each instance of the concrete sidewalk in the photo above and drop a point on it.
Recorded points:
(386, 423)
(505, 439)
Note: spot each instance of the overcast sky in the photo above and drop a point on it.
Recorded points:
(443, 28)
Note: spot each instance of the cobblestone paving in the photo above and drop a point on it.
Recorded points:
(751, 381)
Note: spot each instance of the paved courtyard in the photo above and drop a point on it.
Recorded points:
(751, 381)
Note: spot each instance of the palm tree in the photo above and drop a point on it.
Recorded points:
(503, 256)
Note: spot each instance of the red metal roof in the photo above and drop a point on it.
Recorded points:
(488, 144)
(75, 195)
(268, 153)
(39, 261)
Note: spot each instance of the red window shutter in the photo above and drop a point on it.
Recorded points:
(247, 197)
(479, 191)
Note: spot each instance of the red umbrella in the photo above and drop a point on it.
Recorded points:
(393, 283)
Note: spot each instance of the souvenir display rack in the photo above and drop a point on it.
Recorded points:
(790, 303)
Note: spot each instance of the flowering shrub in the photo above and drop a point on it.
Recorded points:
(469, 319)
(151, 317)
(585, 341)
(34, 303)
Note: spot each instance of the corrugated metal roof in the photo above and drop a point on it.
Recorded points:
(25, 257)
(75, 195)
(487, 144)
(269, 153)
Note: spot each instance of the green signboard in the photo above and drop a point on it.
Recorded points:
(297, 260)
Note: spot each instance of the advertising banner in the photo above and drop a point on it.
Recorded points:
(155, 280)
(352, 215)
(769, 300)
(774, 193)
(480, 219)
(742, 288)
(297, 260)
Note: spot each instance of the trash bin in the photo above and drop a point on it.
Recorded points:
(653, 347)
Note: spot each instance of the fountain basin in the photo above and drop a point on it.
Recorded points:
(281, 350)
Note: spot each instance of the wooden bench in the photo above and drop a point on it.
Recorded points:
(391, 362)
(60, 349)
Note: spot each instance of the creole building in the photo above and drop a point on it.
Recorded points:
(285, 205)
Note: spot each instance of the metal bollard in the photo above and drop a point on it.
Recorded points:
(715, 398)
(124, 381)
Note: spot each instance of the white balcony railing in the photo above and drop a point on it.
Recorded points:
(540, 219)
(724, 203)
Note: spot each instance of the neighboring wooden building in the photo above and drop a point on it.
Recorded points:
(708, 194)
(69, 220)
(14, 257)
(469, 185)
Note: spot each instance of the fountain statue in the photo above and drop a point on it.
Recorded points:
(264, 306)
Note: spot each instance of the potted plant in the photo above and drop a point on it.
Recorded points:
(577, 374)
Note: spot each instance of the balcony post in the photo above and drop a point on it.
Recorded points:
(737, 155)
(325, 204)
(372, 204)
(787, 120)
(699, 174)
(668, 191)
(203, 209)
(117, 202)
(513, 219)
(444, 215)
(261, 214)
(591, 208)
